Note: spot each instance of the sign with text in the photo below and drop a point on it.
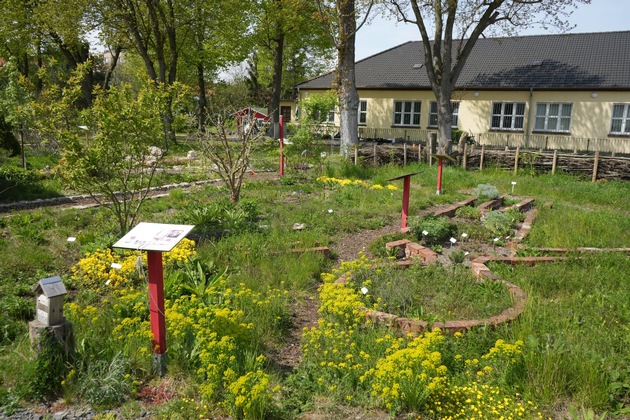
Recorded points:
(153, 237)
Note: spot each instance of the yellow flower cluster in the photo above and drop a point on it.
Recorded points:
(406, 378)
(249, 396)
(505, 351)
(337, 182)
(341, 304)
(96, 272)
(479, 401)
(104, 268)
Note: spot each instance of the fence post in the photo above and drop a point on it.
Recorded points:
(356, 155)
(404, 154)
(419, 155)
(518, 150)
(465, 158)
(554, 162)
(483, 151)
(375, 160)
(595, 166)
(431, 148)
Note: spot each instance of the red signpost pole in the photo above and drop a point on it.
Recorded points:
(439, 180)
(156, 309)
(405, 202)
(281, 146)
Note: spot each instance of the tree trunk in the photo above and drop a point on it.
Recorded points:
(276, 88)
(347, 91)
(445, 118)
(112, 66)
(201, 123)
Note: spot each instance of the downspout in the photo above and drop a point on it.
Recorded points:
(529, 116)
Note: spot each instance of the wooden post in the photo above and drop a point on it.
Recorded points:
(483, 151)
(156, 310)
(404, 154)
(518, 151)
(465, 158)
(419, 155)
(281, 125)
(405, 202)
(375, 160)
(356, 155)
(595, 166)
(554, 162)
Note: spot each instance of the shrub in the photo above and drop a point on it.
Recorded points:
(486, 191)
(497, 223)
(438, 228)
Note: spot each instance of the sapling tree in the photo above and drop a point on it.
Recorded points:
(118, 166)
(227, 147)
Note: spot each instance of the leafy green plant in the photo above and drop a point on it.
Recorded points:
(105, 383)
(194, 277)
(583, 413)
(438, 229)
(486, 191)
(457, 257)
(468, 212)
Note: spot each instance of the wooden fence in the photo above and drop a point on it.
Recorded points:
(473, 157)
(613, 145)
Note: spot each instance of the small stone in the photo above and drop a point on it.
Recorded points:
(298, 226)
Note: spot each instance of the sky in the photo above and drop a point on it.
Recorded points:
(599, 16)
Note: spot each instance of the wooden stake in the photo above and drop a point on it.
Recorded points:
(375, 160)
(464, 160)
(554, 162)
(356, 155)
(518, 151)
(404, 154)
(483, 151)
(595, 166)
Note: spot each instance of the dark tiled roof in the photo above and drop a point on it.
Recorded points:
(571, 61)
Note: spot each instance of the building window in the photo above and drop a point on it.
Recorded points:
(407, 113)
(363, 112)
(508, 115)
(553, 117)
(620, 119)
(331, 117)
(285, 111)
(433, 114)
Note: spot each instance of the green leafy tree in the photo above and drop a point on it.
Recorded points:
(117, 168)
(15, 102)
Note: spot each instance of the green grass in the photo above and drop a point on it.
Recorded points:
(574, 327)
(431, 293)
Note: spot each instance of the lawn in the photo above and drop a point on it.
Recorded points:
(234, 298)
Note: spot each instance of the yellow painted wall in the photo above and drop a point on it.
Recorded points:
(591, 116)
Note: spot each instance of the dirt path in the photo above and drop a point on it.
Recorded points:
(304, 312)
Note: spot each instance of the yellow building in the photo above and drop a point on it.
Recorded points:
(545, 91)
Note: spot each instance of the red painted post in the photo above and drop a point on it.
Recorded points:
(439, 180)
(156, 301)
(281, 146)
(405, 202)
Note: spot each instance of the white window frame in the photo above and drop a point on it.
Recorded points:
(552, 120)
(363, 112)
(408, 116)
(623, 120)
(508, 121)
(433, 114)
